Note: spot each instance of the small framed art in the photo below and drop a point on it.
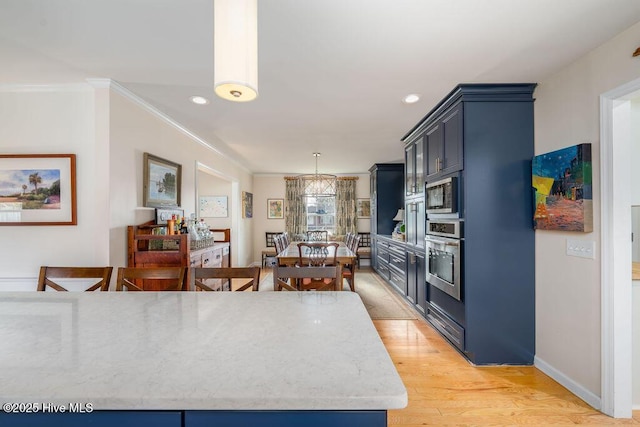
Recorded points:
(363, 208)
(275, 208)
(247, 205)
(213, 207)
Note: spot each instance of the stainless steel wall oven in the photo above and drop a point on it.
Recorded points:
(444, 242)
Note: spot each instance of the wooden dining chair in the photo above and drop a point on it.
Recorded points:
(317, 236)
(347, 238)
(307, 278)
(278, 240)
(98, 276)
(348, 270)
(212, 279)
(317, 254)
(270, 250)
(151, 279)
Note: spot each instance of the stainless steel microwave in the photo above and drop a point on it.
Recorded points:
(442, 196)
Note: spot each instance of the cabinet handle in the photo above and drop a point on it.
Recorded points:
(412, 258)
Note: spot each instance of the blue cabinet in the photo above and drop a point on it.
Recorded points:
(483, 134)
(198, 419)
(285, 418)
(94, 419)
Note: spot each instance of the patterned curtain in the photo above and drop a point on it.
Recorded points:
(346, 219)
(295, 217)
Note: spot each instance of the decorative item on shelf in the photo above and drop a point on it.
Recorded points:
(317, 184)
(398, 231)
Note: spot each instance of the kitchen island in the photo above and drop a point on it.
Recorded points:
(193, 359)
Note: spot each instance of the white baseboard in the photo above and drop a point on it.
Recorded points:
(575, 388)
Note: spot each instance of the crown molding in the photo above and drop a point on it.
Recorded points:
(128, 94)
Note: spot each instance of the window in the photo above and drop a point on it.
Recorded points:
(321, 213)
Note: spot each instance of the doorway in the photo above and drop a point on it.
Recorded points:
(615, 171)
(211, 182)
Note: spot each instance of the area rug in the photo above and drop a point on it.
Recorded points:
(379, 299)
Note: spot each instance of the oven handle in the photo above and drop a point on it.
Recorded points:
(443, 241)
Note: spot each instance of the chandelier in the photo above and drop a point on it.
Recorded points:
(317, 184)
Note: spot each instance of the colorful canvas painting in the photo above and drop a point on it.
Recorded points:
(562, 182)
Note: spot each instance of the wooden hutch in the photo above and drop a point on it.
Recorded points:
(146, 249)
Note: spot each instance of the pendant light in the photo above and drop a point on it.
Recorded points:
(235, 66)
(318, 184)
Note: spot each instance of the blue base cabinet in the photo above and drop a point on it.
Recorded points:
(199, 419)
(285, 418)
(94, 419)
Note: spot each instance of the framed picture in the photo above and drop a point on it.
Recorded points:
(247, 205)
(275, 208)
(213, 207)
(363, 208)
(38, 189)
(563, 194)
(162, 181)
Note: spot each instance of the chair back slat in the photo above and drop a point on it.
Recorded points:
(151, 279)
(49, 275)
(317, 236)
(317, 254)
(202, 274)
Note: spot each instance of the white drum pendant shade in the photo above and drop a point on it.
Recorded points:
(235, 66)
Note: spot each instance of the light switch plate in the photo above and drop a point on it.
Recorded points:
(581, 248)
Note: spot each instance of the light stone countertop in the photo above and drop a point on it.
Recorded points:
(195, 350)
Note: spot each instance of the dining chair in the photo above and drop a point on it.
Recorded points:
(101, 276)
(270, 250)
(279, 243)
(327, 278)
(151, 279)
(317, 236)
(202, 278)
(347, 238)
(348, 270)
(317, 254)
(285, 239)
(363, 251)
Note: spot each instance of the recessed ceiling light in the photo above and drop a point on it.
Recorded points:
(410, 99)
(199, 100)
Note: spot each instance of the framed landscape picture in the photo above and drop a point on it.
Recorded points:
(562, 183)
(363, 208)
(38, 189)
(213, 207)
(247, 205)
(275, 208)
(162, 181)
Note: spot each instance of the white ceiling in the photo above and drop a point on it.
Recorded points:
(331, 73)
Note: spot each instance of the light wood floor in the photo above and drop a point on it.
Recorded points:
(445, 390)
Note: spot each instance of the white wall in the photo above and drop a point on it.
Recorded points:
(135, 130)
(46, 120)
(568, 341)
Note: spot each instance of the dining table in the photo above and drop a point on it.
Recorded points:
(290, 256)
